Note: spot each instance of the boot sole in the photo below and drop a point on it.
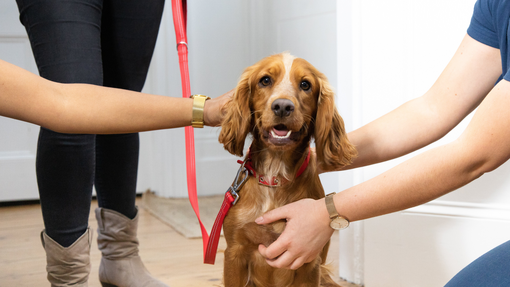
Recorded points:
(107, 285)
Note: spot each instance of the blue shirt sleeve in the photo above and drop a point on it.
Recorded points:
(482, 27)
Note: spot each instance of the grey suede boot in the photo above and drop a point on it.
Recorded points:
(68, 266)
(121, 265)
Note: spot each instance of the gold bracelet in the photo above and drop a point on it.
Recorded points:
(197, 118)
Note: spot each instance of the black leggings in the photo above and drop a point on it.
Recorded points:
(101, 42)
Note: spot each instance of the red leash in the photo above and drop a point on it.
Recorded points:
(210, 243)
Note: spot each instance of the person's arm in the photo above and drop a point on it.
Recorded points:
(481, 148)
(468, 77)
(83, 108)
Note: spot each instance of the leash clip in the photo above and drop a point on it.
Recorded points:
(234, 194)
(238, 183)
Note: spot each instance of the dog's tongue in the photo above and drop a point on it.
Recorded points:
(280, 130)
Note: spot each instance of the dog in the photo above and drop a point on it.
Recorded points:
(283, 102)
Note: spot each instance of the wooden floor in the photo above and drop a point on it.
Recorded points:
(172, 258)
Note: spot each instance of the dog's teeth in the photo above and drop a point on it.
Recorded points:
(281, 137)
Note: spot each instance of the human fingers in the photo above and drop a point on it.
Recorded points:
(282, 254)
(286, 261)
(214, 109)
(272, 251)
(273, 215)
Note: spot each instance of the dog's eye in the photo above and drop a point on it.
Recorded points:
(305, 85)
(265, 81)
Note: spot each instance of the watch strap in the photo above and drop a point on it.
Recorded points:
(197, 118)
(330, 205)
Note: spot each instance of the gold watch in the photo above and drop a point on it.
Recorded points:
(197, 118)
(337, 221)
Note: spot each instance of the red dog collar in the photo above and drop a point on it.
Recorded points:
(275, 181)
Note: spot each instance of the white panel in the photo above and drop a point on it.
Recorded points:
(17, 175)
(17, 136)
(307, 30)
(300, 37)
(300, 8)
(397, 49)
(414, 55)
(162, 154)
(462, 209)
(17, 160)
(9, 20)
(218, 45)
(406, 45)
(17, 51)
(427, 248)
(351, 256)
(218, 53)
(384, 46)
(260, 16)
(18, 139)
(409, 57)
(219, 49)
(349, 16)
(216, 169)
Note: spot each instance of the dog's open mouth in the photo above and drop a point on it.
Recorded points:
(281, 135)
(280, 132)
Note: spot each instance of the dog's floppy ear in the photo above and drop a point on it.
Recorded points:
(237, 122)
(332, 145)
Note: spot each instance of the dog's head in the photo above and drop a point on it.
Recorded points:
(284, 101)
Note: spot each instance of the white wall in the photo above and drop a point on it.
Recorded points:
(218, 42)
(224, 38)
(392, 52)
(307, 30)
(17, 139)
(218, 36)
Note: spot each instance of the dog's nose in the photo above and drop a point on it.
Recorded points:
(282, 107)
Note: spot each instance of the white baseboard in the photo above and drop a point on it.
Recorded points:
(463, 209)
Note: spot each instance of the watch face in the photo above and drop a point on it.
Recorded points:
(339, 223)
